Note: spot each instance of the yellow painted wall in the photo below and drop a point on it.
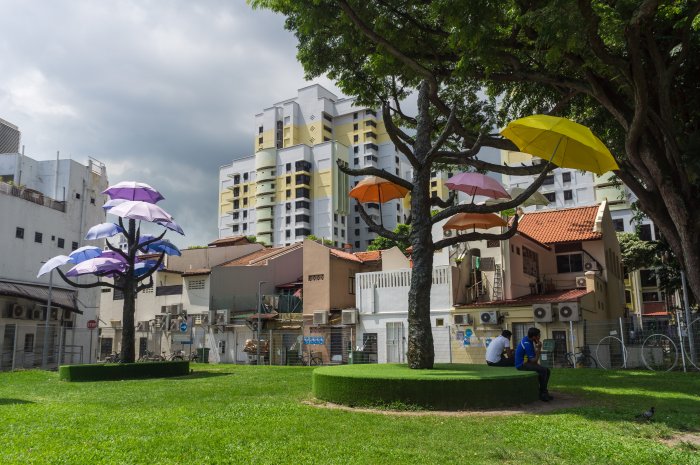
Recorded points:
(322, 184)
(268, 140)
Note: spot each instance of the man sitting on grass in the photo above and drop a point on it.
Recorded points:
(527, 356)
(494, 352)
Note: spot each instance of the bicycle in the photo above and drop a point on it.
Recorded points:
(149, 356)
(311, 359)
(113, 358)
(583, 359)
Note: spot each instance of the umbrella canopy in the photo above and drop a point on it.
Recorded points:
(53, 263)
(477, 184)
(112, 203)
(565, 143)
(462, 221)
(137, 210)
(97, 265)
(112, 254)
(84, 253)
(103, 230)
(535, 199)
(132, 190)
(144, 267)
(173, 226)
(376, 189)
(163, 245)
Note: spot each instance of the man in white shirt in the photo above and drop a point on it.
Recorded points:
(495, 350)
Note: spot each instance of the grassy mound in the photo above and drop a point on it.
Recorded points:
(119, 371)
(446, 387)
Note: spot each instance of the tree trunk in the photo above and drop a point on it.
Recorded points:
(128, 353)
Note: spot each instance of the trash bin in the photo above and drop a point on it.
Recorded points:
(357, 357)
(547, 355)
(203, 355)
(292, 357)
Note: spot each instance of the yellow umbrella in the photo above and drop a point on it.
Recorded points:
(462, 221)
(563, 142)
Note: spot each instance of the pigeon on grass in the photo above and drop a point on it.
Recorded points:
(646, 416)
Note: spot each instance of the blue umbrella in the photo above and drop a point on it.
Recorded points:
(163, 245)
(173, 226)
(84, 253)
(142, 268)
(113, 203)
(53, 263)
(103, 230)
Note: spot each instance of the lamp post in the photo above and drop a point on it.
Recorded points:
(257, 346)
(45, 351)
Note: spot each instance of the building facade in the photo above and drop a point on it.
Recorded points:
(47, 207)
(291, 186)
(9, 137)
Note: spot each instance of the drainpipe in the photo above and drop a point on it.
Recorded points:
(55, 181)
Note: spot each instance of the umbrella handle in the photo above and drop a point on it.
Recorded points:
(556, 147)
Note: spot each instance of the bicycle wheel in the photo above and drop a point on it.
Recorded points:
(315, 361)
(692, 356)
(570, 360)
(659, 353)
(588, 361)
(611, 353)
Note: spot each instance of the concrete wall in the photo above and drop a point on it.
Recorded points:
(209, 257)
(394, 259)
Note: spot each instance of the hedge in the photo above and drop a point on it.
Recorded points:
(446, 387)
(119, 371)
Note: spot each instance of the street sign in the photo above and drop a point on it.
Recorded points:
(181, 338)
(91, 324)
(183, 327)
(313, 340)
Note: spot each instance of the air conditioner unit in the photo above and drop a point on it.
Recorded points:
(462, 319)
(581, 282)
(447, 233)
(202, 319)
(175, 309)
(164, 308)
(222, 317)
(488, 318)
(54, 314)
(542, 313)
(588, 266)
(115, 323)
(349, 317)
(321, 317)
(569, 311)
(173, 325)
(142, 326)
(159, 321)
(37, 314)
(17, 311)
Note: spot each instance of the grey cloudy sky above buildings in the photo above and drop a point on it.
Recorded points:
(161, 91)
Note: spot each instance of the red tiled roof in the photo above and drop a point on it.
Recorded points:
(345, 255)
(196, 272)
(260, 256)
(568, 295)
(568, 225)
(369, 256)
(230, 240)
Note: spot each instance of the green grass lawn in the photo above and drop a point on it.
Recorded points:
(248, 414)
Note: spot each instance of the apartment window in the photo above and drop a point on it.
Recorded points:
(245, 189)
(566, 177)
(370, 112)
(355, 138)
(245, 227)
(371, 147)
(289, 179)
(288, 220)
(61, 243)
(327, 117)
(245, 176)
(302, 204)
(398, 219)
(551, 196)
(644, 232)
(568, 195)
(92, 200)
(433, 174)
(38, 237)
(569, 263)
(73, 246)
(19, 233)
(357, 244)
(354, 115)
(245, 213)
(357, 220)
(302, 219)
(287, 233)
(335, 217)
(370, 135)
(530, 262)
(303, 192)
(260, 129)
(335, 231)
(351, 285)
(356, 149)
(356, 161)
(548, 180)
(619, 225)
(29, 342)
(342, 220)
(288, 166)
(234, 228)
(77, 195)
(433, 183)
(260, 140)
(357, 232)
(355, 127)
(648, 278)
(289, 193)
(650, 296)
(370, 124)
(342, 233)
(245, 201)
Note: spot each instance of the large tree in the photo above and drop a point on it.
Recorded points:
(626, 68)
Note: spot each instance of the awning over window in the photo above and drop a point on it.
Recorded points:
(38, 293)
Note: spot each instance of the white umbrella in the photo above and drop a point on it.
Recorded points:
(96, 265)
(113, 203)
(103, 230)
(137, 210)
(53, 263)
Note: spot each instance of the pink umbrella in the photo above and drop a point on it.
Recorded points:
(477, 184)
(136, 210)
(96, 266)
(131, 190)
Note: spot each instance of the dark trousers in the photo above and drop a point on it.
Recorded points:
(503, 362)
(542, 374)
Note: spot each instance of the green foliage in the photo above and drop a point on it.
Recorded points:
(638, 254)
(252, 239)
(224, 414)
(446, 387)
(382, 243)
(326, 242)
(119, 371)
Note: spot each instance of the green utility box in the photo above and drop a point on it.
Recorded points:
(203, 354)
(358, 357)
(293, 357)
(547, 355)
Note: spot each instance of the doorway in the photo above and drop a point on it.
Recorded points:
(394, 341)
(559, 346)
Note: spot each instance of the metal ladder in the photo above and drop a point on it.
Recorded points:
(497, 283)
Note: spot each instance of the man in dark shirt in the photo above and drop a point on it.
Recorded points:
(527, 356)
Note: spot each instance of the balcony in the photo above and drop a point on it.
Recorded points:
(265, 214)
(302, 180)
(302, 165)
(265, 188)
(33, 196)
(265, 159)
(264, 227)
(387, 291)
(265, 201)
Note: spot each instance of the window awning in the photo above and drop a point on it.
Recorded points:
(62, 298)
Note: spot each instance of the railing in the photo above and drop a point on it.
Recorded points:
(32, 196)
(399, 278)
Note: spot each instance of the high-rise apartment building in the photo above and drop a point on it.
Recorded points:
(9, 137)
(291, 186)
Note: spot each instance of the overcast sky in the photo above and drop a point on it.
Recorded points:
(161, 91)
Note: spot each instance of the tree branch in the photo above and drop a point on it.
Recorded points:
(442, 138)
(85, 286)
(377, 228)
(438, 202)
(397, 136)
(146, 285)
(476, 236)
(460, 159)
(372, 171)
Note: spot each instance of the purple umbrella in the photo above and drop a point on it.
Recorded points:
(84, 253)
(103, 230)
(112, 203)
(112, 254)
(173, 226)
(53, 263)
(477, 184)
(136, 210)
(131, 190)
(97, 265)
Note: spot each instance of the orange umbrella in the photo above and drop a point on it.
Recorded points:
(376, 189)
(462, 221)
